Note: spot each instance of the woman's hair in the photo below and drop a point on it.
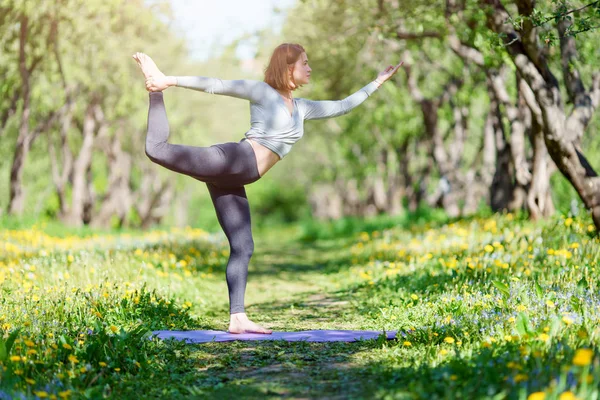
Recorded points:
(276, 73)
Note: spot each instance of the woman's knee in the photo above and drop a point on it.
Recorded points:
(155, 151)
(243, 248)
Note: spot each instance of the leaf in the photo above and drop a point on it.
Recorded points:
(576, 303)
(538, 289)
(523, 324)
(6, 346)
(502, 288)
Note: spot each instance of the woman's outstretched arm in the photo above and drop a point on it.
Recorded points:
(333, 108)
(242, 88)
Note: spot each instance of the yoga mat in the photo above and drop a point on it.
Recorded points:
(308, 336)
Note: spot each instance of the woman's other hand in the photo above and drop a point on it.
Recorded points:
(388, 72)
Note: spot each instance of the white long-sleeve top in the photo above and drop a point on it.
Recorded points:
(272, 125)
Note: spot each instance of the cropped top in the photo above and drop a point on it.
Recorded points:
(272, 125)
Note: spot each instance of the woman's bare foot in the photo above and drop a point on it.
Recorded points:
(156, 81)
(239, 323)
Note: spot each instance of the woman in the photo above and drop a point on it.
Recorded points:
(276, 124)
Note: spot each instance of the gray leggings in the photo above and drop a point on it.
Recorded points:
(225, 168)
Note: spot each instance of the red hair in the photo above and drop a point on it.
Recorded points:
(276, 73)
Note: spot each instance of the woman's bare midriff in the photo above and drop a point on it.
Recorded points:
(265, 157)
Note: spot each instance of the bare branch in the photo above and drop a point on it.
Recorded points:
(417, 36)
(568, 52)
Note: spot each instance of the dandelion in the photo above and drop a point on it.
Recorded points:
(102, 364)
(583, 357)
(29, 343)
(550, 304)
(544, 337)
(41, 394)
(414, 297)
(537, 396)
(67, 346)
(567, 320)
(521, 378)
(521, 308)
(568, 222)
(114, 329)
(73, 359)
(443, 352)
(407, 344)
(65, 394)
(15, 358)
(567, 396)
(488, 248)
(30, 381)
(449, 340)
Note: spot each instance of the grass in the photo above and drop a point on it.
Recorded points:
(491, 307)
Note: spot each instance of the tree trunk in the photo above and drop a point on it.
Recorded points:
(501, 188)
(117, 199)
(561, 133)
(75, 217)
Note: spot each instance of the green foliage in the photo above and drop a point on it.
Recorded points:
(312, 230)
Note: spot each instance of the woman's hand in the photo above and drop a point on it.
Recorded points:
(388, 73)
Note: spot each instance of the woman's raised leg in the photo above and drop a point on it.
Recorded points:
(202, 163)
(233, 213)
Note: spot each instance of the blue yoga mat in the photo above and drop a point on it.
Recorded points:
(308, 336)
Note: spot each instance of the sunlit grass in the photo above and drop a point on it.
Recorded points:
(486, 308)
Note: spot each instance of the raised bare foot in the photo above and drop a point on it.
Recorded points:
(239, 323)
(156, 81)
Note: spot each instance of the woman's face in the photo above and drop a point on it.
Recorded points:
(302, 70)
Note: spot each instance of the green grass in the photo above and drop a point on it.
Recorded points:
(494, 307)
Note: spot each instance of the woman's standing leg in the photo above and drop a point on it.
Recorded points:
(233, 213)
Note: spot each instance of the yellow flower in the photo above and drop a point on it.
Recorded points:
(41, 394)
(568, 221)
(73, 359)
(29, 343)
(544, 337)
(443, 352)
(550, 304)
(449, 340)
(102, 364)
(30, 381)
(521, 308)
(117, 369)
(414, 297)
(70, 258)
(67, 346)
(15, 358)
(114, 328)
(567, 396)
(520, 378)
(567, 320)
(65, 394)
(583, 357)
(407, 344)
(537, 396)
(488, 248)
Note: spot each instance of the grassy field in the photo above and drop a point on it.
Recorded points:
(493, 307)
